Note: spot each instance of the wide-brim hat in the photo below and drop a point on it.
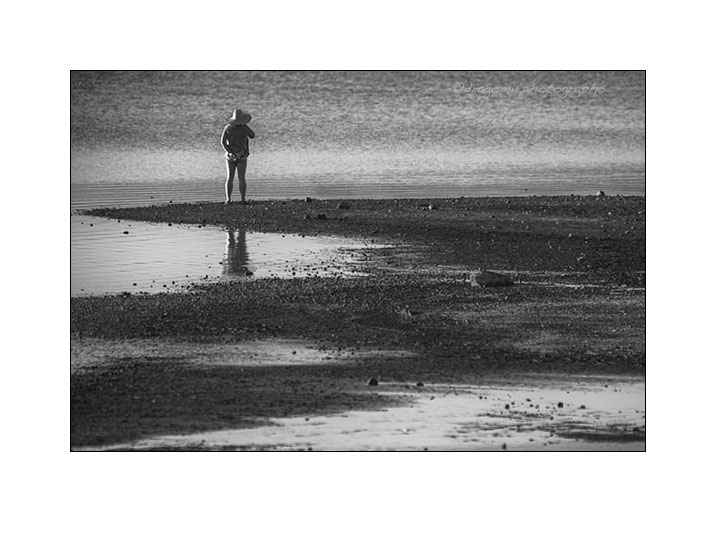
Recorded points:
(240, 117)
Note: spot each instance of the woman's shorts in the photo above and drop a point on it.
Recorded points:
(232, 165)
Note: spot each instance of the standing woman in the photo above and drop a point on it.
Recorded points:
(236, 145)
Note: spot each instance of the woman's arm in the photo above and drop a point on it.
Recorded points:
(224, 140)
(251, 133)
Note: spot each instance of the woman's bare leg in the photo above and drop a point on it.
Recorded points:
(242, 168)
(229, 183)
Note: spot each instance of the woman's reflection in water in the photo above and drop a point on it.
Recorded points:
(236, 256)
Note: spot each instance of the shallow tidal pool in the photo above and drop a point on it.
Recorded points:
(112, 256)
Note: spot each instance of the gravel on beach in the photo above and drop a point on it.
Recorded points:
(577, 304)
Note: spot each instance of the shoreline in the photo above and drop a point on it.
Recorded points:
(577, 305)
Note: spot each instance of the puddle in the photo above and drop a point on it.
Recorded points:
(111, 256)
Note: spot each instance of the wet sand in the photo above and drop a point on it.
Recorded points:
(182, 367)
(288, 395)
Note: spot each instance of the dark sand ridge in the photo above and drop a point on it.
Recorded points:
(579, 306)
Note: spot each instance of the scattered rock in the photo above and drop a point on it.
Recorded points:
(504, 446)
(507, 406)
(372, 382)
(419, 384)
(343, 205)
(561, 405)
(308, 199)
(126, 232)
(600, 193)
(487, 278)
(433, 207)
(322, 216)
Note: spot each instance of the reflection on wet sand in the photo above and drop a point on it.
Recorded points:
(236, 258)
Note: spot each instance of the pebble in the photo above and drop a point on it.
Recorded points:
(419, 384)
(561, 404)
(487, 278)
(372, 382)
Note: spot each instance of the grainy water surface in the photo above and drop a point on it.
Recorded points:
(151, 137)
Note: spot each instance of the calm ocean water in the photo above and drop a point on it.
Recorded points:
(151, 137)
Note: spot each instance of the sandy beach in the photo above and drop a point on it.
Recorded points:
(555, 360)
